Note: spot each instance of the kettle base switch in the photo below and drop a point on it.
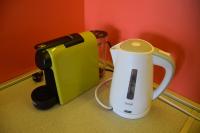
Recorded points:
(127, 111)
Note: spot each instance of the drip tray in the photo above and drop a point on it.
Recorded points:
(43, 98)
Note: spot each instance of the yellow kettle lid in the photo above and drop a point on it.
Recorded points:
(136, 45)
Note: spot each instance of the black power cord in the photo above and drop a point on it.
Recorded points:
(38, 76)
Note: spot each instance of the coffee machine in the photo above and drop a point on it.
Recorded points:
(70, 66)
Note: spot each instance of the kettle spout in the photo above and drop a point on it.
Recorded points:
(114, 53)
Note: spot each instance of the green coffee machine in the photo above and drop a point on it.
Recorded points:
(70, 66)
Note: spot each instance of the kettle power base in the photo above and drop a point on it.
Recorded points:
(127, 114)
(43, 98)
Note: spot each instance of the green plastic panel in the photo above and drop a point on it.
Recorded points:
(75, 68)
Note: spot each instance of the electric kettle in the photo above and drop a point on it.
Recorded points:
(131, 91)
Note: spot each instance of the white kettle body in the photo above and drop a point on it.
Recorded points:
(131, 90)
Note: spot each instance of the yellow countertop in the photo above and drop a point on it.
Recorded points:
(83, 115)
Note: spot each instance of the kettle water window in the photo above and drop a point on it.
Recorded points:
(132, 82)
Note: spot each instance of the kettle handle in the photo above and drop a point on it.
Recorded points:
(165, 60)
